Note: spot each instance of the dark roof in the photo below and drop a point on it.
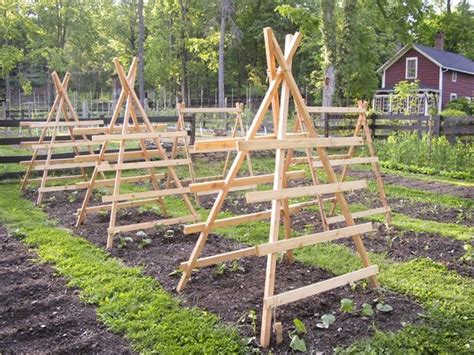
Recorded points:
(447, 59)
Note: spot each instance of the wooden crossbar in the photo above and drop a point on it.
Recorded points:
(75, 144)
(56, 178)
(120, 205)
(304, 160)
(319, 287)
(143, 165)
(243, 181)
(146, 194)
(348, 161)
(125, 180)
(211, 110)
(153, 224)
(71, 187)
(130, 155)
(134, 136)
(60, 124)
(361, 214)
(282, 245)
(252, 145)
(316, 109)
(116, 129)
(251, 217)
(64, 166)
(294, 192)
(52, 161)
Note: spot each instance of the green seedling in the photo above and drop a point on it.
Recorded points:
(169, 233)
(220, 269)
(297, 342)
(253, 320)
(326, 321)
(347, 305)
(383, 307)
(124, 241)
(72, 197)
(236, 267)
(367, 310)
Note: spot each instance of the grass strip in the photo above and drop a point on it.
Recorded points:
(126, 301)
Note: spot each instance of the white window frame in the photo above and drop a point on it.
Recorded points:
(453, 96)
(454, 76)
(415, 59)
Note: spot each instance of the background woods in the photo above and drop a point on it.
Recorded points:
(194, 49)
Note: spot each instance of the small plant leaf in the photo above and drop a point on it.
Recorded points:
(367, 310)
(347, 305)
(383, 307)
(299, 326)
(298, 344)
(328, 319)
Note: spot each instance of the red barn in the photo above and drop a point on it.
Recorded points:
(445, 76)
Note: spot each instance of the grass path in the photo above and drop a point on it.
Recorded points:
(126, 301)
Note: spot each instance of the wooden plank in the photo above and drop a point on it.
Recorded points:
(243, 181)
(64, 166)
(317, 109)
(282, 245)
(53, 161)
(116, 129)
(125, 180)
(71, 187)
(128, 155)
(304, 160)
(252, 145)
(120, 205)
(361, 214)
(211, 110)
(319, 287)
(143, 165)
(294, 192)
(252, 217)
(144, 135)
(146, 194)
(61, 124)
(75, 144)
(348, 161)
(56, 178)
(153, 224)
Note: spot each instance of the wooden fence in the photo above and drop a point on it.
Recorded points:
(383, 125)
(12, 159)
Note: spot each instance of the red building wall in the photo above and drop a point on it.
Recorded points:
(463, 86)
(428, 72)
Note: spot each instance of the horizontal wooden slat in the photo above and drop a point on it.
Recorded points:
(128, 155)
(120, 205)
(75, 144)
(123, 180)
(210, 110)
(61, 124)
(56, 179)
(143, 135)
(251, 217)
(294, 192)
(282, 245)
(317, 109)
(319, 287)
(361, 214)
(116, 129)
(145, 194)
(52, 161)
(153, 224)
(71, 187)
(348, 161)
(304, 160)
(143, 165)
(298, 143)
(243, 181)
(64, 166)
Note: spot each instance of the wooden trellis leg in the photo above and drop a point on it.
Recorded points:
(82, 212)
(29, 169)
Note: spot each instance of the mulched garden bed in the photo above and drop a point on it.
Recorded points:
(235, 292)
(39, 314)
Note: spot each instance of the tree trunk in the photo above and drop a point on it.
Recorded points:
(184, 51)
(141, 63)
(224, 12)
(328, 32)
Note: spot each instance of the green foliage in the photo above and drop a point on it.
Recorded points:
(462, 104)
(347, 305)
(299, 326)
(367, 310)
(326, 321)
(407, 149)
(127, 302)
(405, 97)
(451, 112)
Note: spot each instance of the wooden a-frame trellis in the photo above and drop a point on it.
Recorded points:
(61, 107)
(131, 130)
(282, 143)
(348, 159)
(238, 131)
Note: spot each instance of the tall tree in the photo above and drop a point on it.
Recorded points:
(225, 9)
(141, 60)
(328, 32)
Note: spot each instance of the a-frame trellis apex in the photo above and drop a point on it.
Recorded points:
(283, 77)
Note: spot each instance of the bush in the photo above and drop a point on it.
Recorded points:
(462, 104)
(451, 112)
(407, 151)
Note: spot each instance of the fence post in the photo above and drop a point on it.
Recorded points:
(193, 129)
(419, 122)
(372, 125)
(437, 125)
(326, 124)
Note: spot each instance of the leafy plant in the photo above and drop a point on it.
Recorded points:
(297, 342)
(383, 307)
(72, 197)
(299, 326)
(169, 233)
(347, 305)
(220, 269)
(124, 242)
(367, 310)
(326, 321)
(236, 267)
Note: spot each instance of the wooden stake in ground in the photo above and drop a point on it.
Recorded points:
(282, 143)
(62, 108)
(132, 130)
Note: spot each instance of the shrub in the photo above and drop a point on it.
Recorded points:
(407, 150)
(462, 104)
(451, 112)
